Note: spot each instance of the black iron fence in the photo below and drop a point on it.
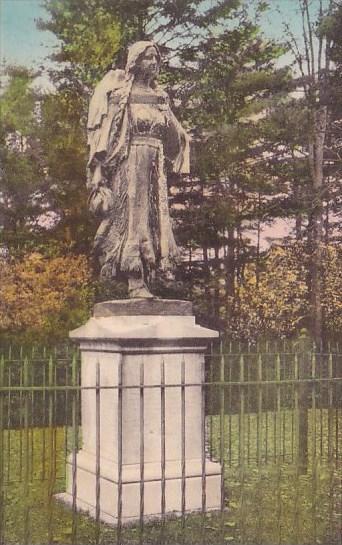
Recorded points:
(272, 419)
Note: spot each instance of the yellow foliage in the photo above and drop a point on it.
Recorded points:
(46, 295)
(277, 305)
(332, 289)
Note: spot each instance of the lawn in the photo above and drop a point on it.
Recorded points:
(268, 499)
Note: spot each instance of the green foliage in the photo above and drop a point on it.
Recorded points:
(22, 170)
(17, 101)
(22, 177)
(62, 137)
(90, 36)
(234, 182)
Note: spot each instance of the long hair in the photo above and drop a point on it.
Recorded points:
(135, 52)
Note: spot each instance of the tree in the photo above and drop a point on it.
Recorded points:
(42, 298)
(90, 37)
(315, 67)
(22, 170)
(235, 179)
(95, 33)
(277, 305)
(62, 137)
(17, 101)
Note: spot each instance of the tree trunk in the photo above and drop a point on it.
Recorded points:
(316, 156)
(299, 215)
(230, 263)
(206, 271)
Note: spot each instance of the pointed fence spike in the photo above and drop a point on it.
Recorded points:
(50, 370)
(242, 368)
(330, 365)
(74, 370)
(2, 370)
(26, 371)
(278, 364)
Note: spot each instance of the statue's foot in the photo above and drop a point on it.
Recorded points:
(142, 293)
(148, 254)
(138, 289)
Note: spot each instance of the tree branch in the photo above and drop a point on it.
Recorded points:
(309, 24)
(305, 37)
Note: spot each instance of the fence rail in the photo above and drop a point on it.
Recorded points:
(272, 419)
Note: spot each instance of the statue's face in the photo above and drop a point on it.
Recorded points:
(149, 62)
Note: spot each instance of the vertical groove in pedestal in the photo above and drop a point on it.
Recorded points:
(98, 452)
(142, 448)
(183, 439)
(119, 512)
(162, 437)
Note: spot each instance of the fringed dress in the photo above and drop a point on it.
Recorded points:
(136, 234)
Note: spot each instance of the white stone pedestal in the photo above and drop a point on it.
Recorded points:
(139, 345)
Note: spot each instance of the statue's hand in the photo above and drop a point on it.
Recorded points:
(97, 178)
(101, 198)
(101, 201)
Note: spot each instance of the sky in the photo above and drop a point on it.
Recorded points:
(22, 43)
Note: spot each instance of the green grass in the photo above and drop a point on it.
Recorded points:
(267, 503)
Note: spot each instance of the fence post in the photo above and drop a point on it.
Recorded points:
(242, 413)
(52, 443)
(303, 392)
(26, 452)
(259, 410)
(2, 446)
(330, 408)
(74, 416)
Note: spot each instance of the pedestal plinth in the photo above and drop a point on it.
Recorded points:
(142, 413)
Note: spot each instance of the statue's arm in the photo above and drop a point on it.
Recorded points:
(99, 123)
(97, 142)
(177, 147)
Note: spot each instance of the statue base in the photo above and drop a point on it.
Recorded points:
(143, 451)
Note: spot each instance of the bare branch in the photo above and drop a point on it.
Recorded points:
(305, 37)
(309, 25)
(293, 45)
(320, 41)
(328, 43)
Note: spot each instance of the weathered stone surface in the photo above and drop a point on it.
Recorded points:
(160, 334)
(143, 307)
(170, 350)
(128, 181)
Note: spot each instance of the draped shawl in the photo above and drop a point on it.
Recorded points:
(109, 135)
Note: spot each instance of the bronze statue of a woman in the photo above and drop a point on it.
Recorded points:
(133, 138)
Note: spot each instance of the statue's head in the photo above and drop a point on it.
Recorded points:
(143, 57)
